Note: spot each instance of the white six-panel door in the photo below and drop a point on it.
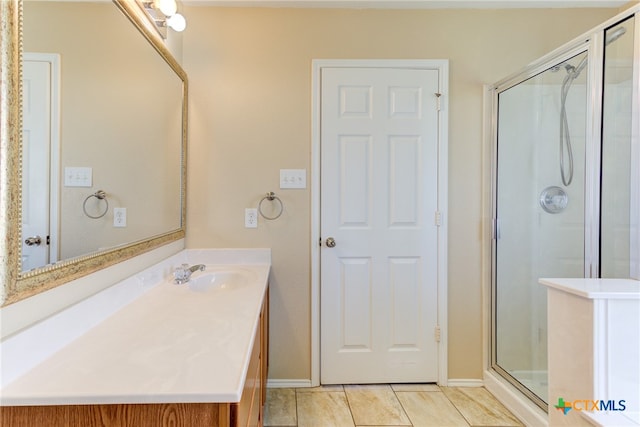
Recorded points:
(379, 202)
(36, 114)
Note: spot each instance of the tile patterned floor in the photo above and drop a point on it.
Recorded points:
(385, 405)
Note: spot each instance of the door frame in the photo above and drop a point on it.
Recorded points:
(54, 148)
(442, 65)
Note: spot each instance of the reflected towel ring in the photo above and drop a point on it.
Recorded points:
(100, 195)
(271, 196)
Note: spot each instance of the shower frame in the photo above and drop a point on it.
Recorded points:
(523, 402)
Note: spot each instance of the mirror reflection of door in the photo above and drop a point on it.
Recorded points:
(39, 160)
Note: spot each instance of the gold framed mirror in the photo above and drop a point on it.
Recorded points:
(134, 181)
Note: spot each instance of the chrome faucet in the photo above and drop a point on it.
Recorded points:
(183, 273)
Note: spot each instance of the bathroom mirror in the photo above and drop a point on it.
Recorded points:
(108, 182)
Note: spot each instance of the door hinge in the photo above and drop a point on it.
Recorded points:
(438, 105)
(438, 219)
(437, 333)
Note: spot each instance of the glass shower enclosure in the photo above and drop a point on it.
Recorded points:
(565, 196)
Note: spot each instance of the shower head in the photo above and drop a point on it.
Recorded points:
(580, 67)
(574, 71)
(614, 35)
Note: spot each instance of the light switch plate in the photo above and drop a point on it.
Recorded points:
(78, 177)
(293, 178)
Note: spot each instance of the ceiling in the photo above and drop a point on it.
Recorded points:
(412, 4)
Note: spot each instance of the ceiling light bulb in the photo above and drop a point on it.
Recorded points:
(177, 22)
(168, 7)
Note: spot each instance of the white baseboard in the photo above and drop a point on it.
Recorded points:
(279, 383)
(525, 410)
(284, 383)
(464, 383)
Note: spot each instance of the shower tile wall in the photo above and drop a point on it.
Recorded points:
(616, 203)
(620, 175)
(514, 346)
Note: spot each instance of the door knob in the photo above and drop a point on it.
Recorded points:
(33, 241)
(330, 242)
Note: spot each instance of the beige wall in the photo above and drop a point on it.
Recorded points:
(250, 115)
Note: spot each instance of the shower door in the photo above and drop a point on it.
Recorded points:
(566, 188)
(539, 224)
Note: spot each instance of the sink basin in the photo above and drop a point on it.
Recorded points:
(220, 280)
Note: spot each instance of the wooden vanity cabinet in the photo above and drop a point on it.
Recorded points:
(246, 413)
(250, 410)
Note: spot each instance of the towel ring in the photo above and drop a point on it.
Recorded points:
(100, 195)
(271, 196)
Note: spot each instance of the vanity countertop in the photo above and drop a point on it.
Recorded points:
(597, 288)
(172, 344)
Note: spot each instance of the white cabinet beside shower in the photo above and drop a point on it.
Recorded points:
(594, 351)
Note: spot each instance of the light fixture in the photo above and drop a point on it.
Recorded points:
(177, 22)
(163, 14)
(168, 7)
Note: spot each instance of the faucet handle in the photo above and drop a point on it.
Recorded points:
(181, 269)
(180, 273)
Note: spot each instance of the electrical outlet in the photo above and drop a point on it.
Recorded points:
(119, 217)
(251, 218)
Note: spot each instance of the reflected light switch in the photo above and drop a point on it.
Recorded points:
(78, 177)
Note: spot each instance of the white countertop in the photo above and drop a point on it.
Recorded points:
(172, 344)
(597, 288)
